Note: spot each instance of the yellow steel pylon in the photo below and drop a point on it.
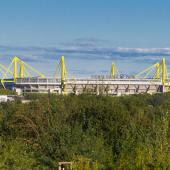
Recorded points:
(63, 75)
(158, 70)
(23, 70)
(164, 71)
(113, 71)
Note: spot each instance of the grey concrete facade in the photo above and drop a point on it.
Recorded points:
(90, 85)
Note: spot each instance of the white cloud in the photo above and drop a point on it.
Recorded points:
(87, 51)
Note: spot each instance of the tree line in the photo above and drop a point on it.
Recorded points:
(128, 132)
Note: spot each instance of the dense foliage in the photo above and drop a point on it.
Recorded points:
(129, 132)
(7, 92)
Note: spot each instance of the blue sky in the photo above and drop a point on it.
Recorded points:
(90, 33)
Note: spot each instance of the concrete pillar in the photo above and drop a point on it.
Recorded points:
(163, 89)
(97, 90)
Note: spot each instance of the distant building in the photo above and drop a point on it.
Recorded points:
(6, 98)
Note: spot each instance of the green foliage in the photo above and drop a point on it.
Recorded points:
(6, 92)
(15, 155)
(82, 163)
(149, 152)
(96, 132)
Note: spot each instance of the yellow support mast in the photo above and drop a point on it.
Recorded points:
(15, 67)
(21, 69)
(113, 71)
(63, 73)
(62, 69)
(158, 71)
(164, 71)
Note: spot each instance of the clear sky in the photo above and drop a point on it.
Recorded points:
(132, 23)
(71, 23)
